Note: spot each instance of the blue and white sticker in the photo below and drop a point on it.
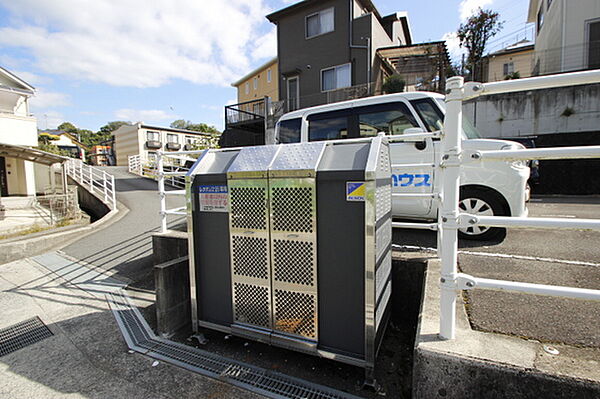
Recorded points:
(213, 198)
(355, 191)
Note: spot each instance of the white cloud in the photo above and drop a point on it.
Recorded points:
(266, 45)
(138, 43)
(49, 119)
(31, 78)
(468, 7)
(144, 115)
(48, 99)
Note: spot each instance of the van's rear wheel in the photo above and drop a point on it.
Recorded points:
(480, 203)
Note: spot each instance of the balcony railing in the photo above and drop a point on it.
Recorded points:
(249, 111)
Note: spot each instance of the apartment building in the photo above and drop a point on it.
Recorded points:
(145, 140)
(327, 45)
(567, 35)
(512, 61)
(17, 127)
(258, 84)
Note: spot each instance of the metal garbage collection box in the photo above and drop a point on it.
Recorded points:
(291, 245)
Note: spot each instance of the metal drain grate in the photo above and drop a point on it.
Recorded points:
(22, 334)
(141, 338)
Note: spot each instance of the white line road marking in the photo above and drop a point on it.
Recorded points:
(508, 256)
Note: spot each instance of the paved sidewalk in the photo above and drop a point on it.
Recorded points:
(87, 356)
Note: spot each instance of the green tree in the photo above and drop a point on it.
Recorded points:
(112, 126)
(393, 84)
(197, 127)
(474, 35)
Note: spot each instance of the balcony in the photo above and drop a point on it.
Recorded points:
(246, 113)
(173, 146)
(153, 145)
(18, 130)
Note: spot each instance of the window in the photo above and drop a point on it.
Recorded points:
(593, 44)
(289, 131)
(328, 125)
(540, 18)
(549, 3)
(255, 83)
(430, 114)
(268, 76)
(247, 87)
(336, 77)
(508, 68)
(152, 136)
(319, 23)
(172, 138)
(190, 140)
(391, 118)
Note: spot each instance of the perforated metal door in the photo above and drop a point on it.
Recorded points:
(250, 253)
(294, 256)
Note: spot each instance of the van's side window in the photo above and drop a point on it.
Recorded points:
(391, 118)
(429, 113)
(289, 130)
(328, 125)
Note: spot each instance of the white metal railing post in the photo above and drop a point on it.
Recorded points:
(104, 181)
(91, 179)
(114, 191)
(161, 191)
(450, 168)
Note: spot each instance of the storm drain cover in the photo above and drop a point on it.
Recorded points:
(22, 334)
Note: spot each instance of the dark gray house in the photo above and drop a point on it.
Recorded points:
(327, 50)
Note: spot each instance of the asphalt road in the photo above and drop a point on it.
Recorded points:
(554, 257)
(125, 246)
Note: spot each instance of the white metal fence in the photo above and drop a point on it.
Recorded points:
(451, 219)
(96, 181)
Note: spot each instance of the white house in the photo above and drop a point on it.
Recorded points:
(17, 127)
(145, 140)
(567, 35)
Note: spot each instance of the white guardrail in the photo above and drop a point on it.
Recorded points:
(96, 181)
(450, 219)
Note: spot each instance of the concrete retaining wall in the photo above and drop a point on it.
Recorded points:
(90, 203)
(537, 112)
(172, 282)
(487, 365)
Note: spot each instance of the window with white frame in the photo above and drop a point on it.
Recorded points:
(268, 76)
(320, 23)
(255, 83)
(172, 138)
(190, 140)
(336, 77)
(247, 87)
(152, 136)
(508, 68)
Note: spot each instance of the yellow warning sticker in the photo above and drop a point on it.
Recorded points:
(355, 191)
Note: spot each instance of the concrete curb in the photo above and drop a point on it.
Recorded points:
(481, 364)
(14, 249)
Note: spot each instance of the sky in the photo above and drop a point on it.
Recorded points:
(156, 61)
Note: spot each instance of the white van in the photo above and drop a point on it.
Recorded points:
(487, 188)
